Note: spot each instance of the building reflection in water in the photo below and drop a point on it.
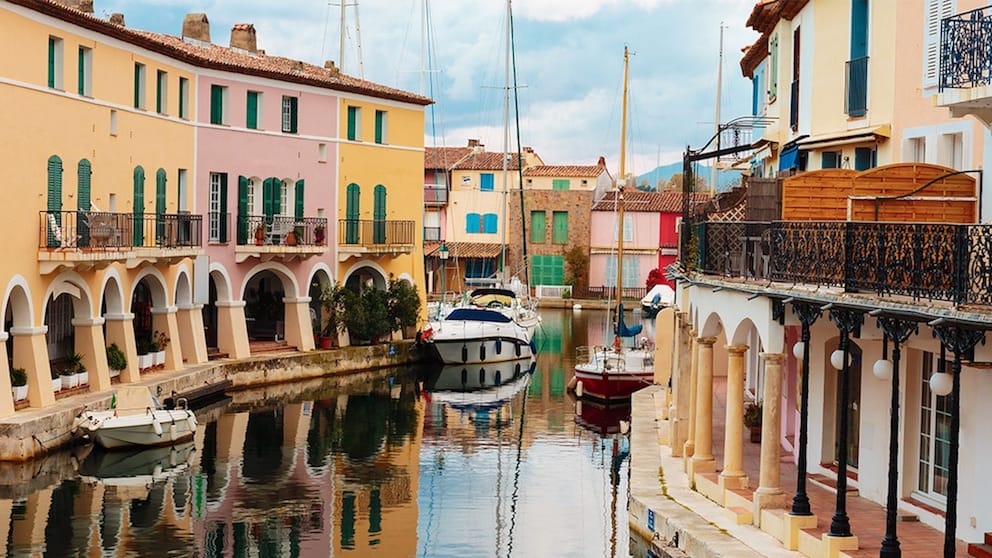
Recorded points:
(484, 461)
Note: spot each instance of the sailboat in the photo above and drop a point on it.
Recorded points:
(615, 372)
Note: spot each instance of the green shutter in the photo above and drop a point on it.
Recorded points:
(559, 227)
(138, 208)
(222, 233)
(379, 215)
(352, 122)
(538, 222)
(160, 179)
(560, 184)
(252, 110)
(51, 62)
(137, 85)
(298, 213)
(158, 92)
(183, 91)
(352, 213)
(243, 210)
(378, 126)
(293, 106)
(54, 195)
(81, 72)
(85, 171)
(216, 104)
(267, 187)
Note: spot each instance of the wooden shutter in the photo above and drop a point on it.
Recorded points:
(352, 122)
(472, 223)
(378, 126)
(486, 182)
(490, 223)
(160, 180)
(298, 211)
(773, 69)
(222, 225)
(352, 213)
(252, 117)
(538, 226)
(293, 114)
(138, 209)
(935, 11)
(379, 214)
(51, 62)
(243, 216)
(216, 104)
(560, 184)
(859, 29)
(267, 187)
(137, 85)
(81, 72)
(559, 224)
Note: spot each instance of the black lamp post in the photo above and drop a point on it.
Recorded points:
(807, 313)
(442, 253)
(959, 340)
(847, 321)
(899, 331)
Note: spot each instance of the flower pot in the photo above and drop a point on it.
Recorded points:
(57, 383)
(318, 236)
(114, 373)
(84, 378)
(20, 393)
(755, 434)
(145, 361)
(397, 335)
(291, 238)
(344, 339)
(158, 358)
(70, 381)
(326, 342)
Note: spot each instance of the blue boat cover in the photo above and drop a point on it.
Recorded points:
(621, 329)
(477, 315)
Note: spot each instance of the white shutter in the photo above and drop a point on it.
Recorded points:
(935, 11)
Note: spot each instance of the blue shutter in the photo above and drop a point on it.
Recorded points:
(472, 224)
(489, 224)
(859, 29)
(486, 182)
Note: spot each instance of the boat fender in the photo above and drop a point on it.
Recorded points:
(578, 389)
(517, 348)
(499, 346)
(191, 422)
(498, 377)
(464, 353)
(516, 369)
(464, 376)
(482, 376)
(157, 426)
(482, 351)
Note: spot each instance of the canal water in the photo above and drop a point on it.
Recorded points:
(428, 462)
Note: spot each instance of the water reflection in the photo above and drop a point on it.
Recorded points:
(485, 461)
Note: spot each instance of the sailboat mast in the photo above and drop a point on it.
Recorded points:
(506, 139)
(621, 178)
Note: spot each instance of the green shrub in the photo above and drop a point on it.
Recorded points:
(18, 377)
(115, 357)
(404, 304)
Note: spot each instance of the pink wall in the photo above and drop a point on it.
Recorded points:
(603, 236)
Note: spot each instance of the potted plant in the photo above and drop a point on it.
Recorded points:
(145, 358)
(752, 420)
(56, 379)
(404, 307)
(318, 234)
(332, 303)
(116, 360)
(69, 378)
(19, 383)
(260, 232)
(367, 315)
(159, 342)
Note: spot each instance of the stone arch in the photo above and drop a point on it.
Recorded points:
(17, 301)
(222, 281)
(408, 278)
(156, 284)
(183, 291)
(71, 283)
(112, 292)
(379, 275)
(290, 287)
(317, 269)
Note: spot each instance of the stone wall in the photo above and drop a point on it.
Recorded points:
(578, 204)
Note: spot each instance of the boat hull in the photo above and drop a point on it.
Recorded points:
(481, 350)
(139, 430)
(612, 386)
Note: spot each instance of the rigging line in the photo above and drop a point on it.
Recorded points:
(516, 473)
(323, 38)
(520, 164)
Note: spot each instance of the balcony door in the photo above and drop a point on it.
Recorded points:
(853, 407)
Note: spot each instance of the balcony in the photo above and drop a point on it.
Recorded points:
(84, 240)
(435, 194)
(278, 237)
(918, 261)
(432, 234)
(358, 238)
(965, 78)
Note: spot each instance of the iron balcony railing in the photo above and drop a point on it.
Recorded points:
(435, 193)
(925, 261)
(281, 230)
(219, 227)
(432, 234)
(376, 232)
(856, 87)
(965, 55)
(98, 230)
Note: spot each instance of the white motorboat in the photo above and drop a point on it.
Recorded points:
(476, 336)
(507, 302)
(136, 419)
(660, 296)
(479, 386)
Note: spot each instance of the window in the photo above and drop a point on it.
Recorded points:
(547, 270)
(916, 150)
(139, 85)
(935, 11)
(251, 110)
(380, 126)
(490, 223)
(473, 223)
(113, 122)
(321, 152)
(935, 429)
(355, 123)
(84, 85)
(486, 183)
(352, 213)
(631, 271)
(758, 85)
(289, 115)
(183, 98)
(162, 92)
(950, 150)
(830, 160)
(857, 65)
(250, 190)
(560, 184)
(215, 207)
(538, 224)
(182, 190)
(628, 229)
(218, 98)
(864, 158)
(55, 62)
(283, 198)
(559, 227)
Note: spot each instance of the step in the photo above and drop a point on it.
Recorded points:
(739, 497)
(830, 483)
(980, 550)
(742, 515)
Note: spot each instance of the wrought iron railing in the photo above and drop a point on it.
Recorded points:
(432, 234)
(375, 232)
(435, 193)
(281, 230)
(856, 87)
(948, 262)
(610, 293)
(167, 230)
(966, 49)
(98, 230)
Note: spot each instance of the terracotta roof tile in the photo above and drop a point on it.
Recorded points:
(486, 160)
(465, 249)
(575, 171)
(651, 202)
(223, 58)
(444, 157)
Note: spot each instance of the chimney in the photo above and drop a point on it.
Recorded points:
(473, 143)
(85, 6)
(243, 37)
(528, 149)
(601, 162)
(196, 26)
(117, 19)
(329, 65)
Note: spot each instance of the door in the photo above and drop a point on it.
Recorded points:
(853, 407)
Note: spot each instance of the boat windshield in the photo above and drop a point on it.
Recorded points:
(477, 315)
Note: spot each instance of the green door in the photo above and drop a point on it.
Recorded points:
(351, 214)
(54, 201)
(160, 179)
(83, 174)
(379, 215)
(243, 217)
(139, 206)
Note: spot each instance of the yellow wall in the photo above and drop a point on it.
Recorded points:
(466, 198)
(62, 123)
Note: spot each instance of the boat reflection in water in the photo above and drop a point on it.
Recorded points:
(479, 386)
(134, 467)
(605, 419)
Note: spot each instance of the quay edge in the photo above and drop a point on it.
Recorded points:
(32, 433)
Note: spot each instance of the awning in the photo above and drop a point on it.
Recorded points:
(861, 135)
(465, 249)
(788, 159)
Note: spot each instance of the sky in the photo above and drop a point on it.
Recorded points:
(568, 61)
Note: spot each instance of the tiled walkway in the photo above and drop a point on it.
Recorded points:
(867, 518)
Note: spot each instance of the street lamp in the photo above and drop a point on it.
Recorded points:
(442, 253)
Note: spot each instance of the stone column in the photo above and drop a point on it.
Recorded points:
(31, 354)
(690, 443)
(192, 340)
(299, 331)
(733, 452)
(90, 344)
(164, 320)
(769, 493)
(120, 330)
(703, 460)
(232, 331)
